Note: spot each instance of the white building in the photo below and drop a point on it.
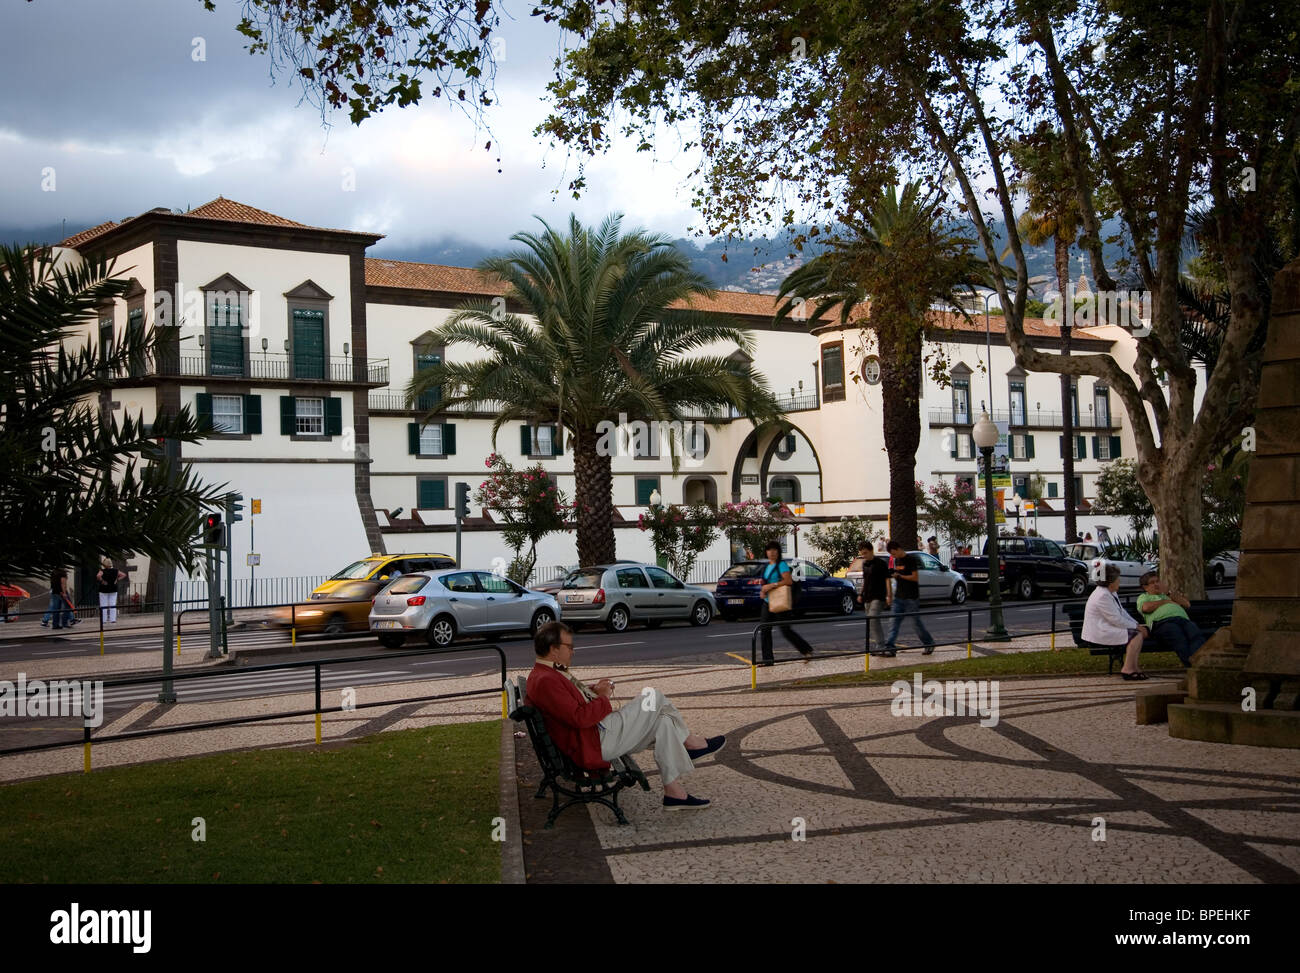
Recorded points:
(299, 347)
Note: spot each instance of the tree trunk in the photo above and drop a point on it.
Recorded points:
(1176, 496)
(1067, 413)
(900, 374)
(594, 496)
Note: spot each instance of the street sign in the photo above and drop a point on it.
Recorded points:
(257, 506)
(253, 560)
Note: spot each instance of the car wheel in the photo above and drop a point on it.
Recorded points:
(543, 616)
(701, 614)
(654, 624)
(1078, 584)
(958, 595)
(337, 625)
(618, 619)
(848, 604)
(442, 632)
(392, 641)
(1216, 577)
(1025, 588)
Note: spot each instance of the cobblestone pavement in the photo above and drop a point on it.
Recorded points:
(828, 785)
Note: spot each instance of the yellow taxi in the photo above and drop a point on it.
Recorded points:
(379, 569)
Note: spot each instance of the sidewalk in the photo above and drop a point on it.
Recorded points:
(827, 785)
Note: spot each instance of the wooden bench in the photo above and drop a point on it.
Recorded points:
(560, 774)
(1209, 616)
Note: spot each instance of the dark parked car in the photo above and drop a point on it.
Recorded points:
(737, 590)
(1026, 566)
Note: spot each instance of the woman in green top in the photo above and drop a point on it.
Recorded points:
(776, 574)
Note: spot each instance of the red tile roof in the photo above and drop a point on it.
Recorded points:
(430, 277)
(226, 210)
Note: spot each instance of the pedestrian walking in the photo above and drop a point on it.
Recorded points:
(907, 598)
(873, 593)
(60, 608)
(776, 605)
(107, 576)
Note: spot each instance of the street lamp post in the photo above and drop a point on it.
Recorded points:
(985, 434)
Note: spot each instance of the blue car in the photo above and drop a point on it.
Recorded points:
(737, 590)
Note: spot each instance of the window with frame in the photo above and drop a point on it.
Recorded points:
(309, 417)
(965, 446)
(785, 448)
(645, 485)
(967, 483)
(961, 401)
(1103, 446)
(1017, 403)
(1018, 447)
(431, 439)
(225, 336)
(833, 371)
(1101, 403)
(1052, 489)
(228, 414)
(545, 442)
(784, 488)
(426, 359)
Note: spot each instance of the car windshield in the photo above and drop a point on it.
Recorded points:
(355, 571)
(588, 578)
(741, 571)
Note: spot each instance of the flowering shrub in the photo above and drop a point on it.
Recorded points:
(752, 523)
(528, 507)
(680, 534)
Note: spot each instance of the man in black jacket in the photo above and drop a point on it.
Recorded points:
(873, 592)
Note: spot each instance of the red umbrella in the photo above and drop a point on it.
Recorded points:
(12, 591)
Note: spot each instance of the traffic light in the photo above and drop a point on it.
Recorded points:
(234, 508)
(462, 501)
(212, 530)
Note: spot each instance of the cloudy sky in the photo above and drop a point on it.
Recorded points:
(114, 103)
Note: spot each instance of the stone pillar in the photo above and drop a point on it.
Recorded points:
(1261, 648)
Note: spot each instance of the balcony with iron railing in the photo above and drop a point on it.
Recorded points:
(387, 402)
(260, 366)
(1028, 419)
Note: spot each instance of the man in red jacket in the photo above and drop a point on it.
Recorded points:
(584, 724)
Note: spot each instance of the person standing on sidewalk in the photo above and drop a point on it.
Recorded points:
(873, 594)
(778, 574)
(107, 577)
(907, 598)
(60, 607)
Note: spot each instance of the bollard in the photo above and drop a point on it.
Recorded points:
(753, 676)
(317, 668)
(86, 751)
(504, 714)
(968, 650)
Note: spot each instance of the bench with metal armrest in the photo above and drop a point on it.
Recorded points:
(560, 774)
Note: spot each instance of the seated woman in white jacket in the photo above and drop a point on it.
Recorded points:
(1108, 626)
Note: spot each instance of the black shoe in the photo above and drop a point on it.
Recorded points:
(928, 649)
(767, 664)
(686, 803)
(712, 745)
(888, 653)
(1133, 675)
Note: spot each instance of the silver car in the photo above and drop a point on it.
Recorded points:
(616, 595)
(451, 602)
(1098, 556)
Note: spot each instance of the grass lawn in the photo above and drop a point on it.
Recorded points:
(1067, 662)
(405, 806)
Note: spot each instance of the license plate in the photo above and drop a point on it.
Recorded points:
(735, 601)
(573, 599)
(388, 624)
(981, 575)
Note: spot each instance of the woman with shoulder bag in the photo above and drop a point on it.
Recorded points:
(778, 600)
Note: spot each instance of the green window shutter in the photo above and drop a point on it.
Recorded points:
(526, 440)
(1096, 449)
(287, 415)
(308, 343)
(203, 410)
(333, 417)
(1029, 447)
(413, 438)
(1062, 441)
(253, 415)
(1114, 447)
(433, 495)
(644, 487)
(557, 441)
(1051, 489)
(789, 443)
(1083, 446)
(448, 439)
(752, 452)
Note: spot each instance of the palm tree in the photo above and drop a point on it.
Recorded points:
(1053, 215)
(903, 259)
(613, 332)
